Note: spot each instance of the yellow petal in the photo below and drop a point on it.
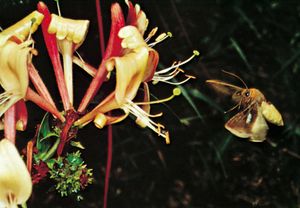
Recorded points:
(130, 70)
(132, 38)
(70, 29)
(15, 181)
(22, 28)
(14, 78)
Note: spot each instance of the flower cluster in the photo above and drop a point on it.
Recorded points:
(129, 53)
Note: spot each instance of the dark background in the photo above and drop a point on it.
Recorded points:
(205, 166)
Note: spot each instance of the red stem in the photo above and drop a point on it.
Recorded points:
(71, 117)
(39, 84)
(10, 124)
(42, 103)
(100, 27)
(108, 164)
(110, 132)
(51, 44)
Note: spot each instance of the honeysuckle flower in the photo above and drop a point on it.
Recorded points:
(16, 50)
(15, 180)
(136, 17)
(22, 29)
(15, 53)
(70, 34)
(113, 49)
(136, 66)
(52, 48)
(14, 79)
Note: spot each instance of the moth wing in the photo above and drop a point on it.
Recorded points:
(223, 87)
(248, 123)
(271, 114)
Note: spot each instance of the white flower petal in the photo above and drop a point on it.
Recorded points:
(15, 181)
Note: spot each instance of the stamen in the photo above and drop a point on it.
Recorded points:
(33, 20)
(144, 120)
(5, 96)
(169, 73)
(151, 34)
(181, 82)
(161, 38)
(58, 8)
(176, 92)
(79, 56)
(195, 53)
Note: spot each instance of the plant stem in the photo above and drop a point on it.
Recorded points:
(108, 164)
(51, 152)
(100, 27)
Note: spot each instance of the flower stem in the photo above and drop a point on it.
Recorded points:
(42, 103)
(100, 27)
(108, 164)
(65, 136)
(51, 44)
(10, 124)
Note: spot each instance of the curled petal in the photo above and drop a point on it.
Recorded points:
(131, 38)
(130, 73)
(15, 181)
(14, 78)
(23, 28)
(137, 17)
(70, 29)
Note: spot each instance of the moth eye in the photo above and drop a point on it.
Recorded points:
(247, 94)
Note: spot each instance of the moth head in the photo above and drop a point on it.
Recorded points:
(247, 96)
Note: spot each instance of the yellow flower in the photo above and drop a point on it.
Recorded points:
(70, 35)
(15, 181)
(14, 59)
(14, 79)
(22, 29)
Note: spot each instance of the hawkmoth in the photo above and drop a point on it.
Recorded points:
(254, 111)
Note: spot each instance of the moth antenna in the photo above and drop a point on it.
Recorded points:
(236, 76)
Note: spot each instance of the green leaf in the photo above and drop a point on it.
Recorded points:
(44, 143)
